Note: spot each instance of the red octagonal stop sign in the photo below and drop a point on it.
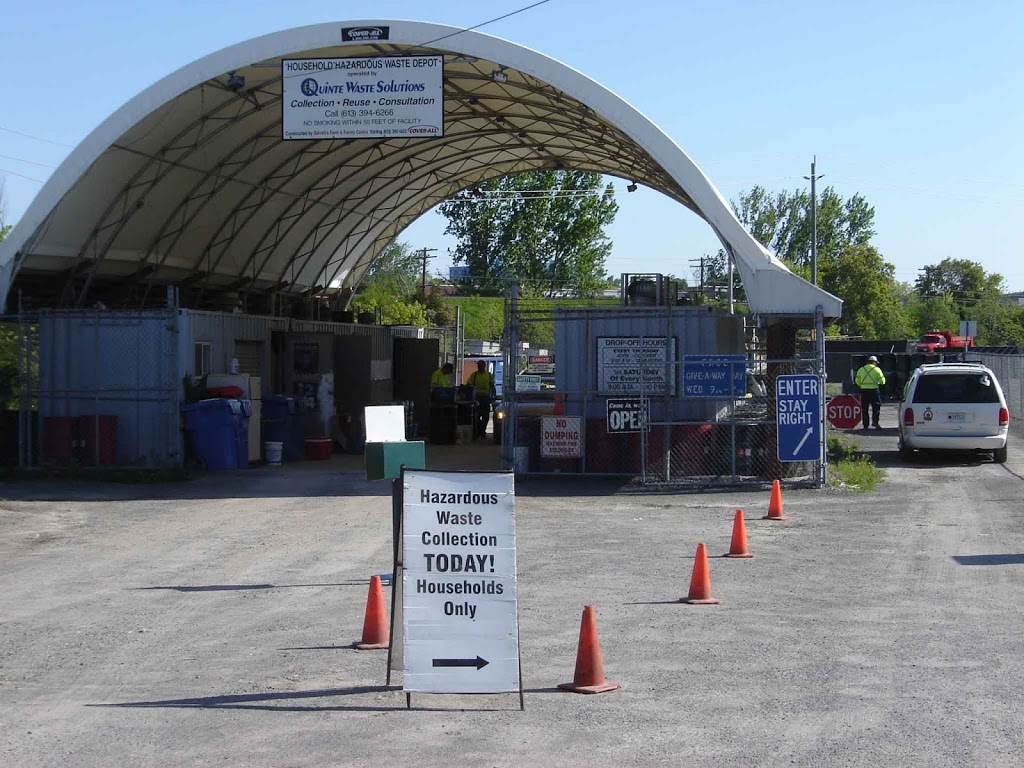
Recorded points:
(843, 411)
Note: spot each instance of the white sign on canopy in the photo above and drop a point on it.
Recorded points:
(362, 98)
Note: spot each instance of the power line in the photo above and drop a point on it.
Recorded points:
(482, 24)
(37, 138)
(22, 176)
(30, 162)
(445, 37)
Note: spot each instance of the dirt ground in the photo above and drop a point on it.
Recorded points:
(209, 623)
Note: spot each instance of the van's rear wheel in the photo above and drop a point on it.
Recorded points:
(999, 454)
(906, 452)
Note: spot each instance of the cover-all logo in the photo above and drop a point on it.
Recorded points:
(427, 129)
(359, 34)
(310, 87)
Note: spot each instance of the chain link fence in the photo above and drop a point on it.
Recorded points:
(665, 395)
(1009, 369)
(97, 389)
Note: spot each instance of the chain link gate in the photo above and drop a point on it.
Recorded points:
(1009, 370)
(649, 393)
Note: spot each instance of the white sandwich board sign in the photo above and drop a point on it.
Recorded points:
(460, 629)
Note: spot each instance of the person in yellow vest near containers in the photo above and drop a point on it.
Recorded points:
(868, 379)
(442, 377)
(482, 382)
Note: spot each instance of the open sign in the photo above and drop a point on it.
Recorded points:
(627, 414)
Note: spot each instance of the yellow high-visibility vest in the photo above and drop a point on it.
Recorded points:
(869, 376)
(439, 379)
(482, 381)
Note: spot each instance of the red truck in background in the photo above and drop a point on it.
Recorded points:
(935, 342)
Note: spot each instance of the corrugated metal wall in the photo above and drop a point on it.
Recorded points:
(381, 350)
(113, 364)
(131, 365)
(696, 332)
(222, 330)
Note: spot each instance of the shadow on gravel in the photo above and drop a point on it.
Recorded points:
(312, 479)
(989, 559)
(261, 701)
(938, 460)
(569, 485)
(244, 587)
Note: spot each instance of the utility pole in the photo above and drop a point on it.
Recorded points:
(423, 283)
(814, 221)
(700, 261)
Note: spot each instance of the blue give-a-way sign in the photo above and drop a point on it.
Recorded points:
(798, 417)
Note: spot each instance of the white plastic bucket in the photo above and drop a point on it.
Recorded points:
(273, 450)
(522, 459)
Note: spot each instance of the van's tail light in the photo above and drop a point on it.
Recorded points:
(1004, 417)
(908, 417)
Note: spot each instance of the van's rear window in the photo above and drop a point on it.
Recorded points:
(956, 388)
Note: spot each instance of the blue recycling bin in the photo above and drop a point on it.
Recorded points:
(218, 432)
(241, 412)
(283, 423)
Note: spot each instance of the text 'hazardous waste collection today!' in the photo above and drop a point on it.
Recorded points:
(460, 628)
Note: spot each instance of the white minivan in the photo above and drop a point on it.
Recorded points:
(953, 407)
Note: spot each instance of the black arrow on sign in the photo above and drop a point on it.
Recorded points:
(478, 662)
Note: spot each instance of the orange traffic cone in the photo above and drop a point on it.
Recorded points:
(375, 624)
(738, 547)
(700, 582)
(589, 677)
(775, 503)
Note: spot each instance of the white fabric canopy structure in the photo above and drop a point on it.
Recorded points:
(190, 183)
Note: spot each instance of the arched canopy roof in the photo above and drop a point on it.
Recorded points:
(191, 184)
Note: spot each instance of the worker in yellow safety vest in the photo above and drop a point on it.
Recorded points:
(442, 377)
(868, 380)
(482, 382)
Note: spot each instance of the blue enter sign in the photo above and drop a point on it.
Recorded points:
(798, 417)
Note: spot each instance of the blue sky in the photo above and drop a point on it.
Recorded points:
(915, 105)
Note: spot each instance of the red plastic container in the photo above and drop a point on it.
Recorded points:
(318, 448)
(58, 439)
(91, 443)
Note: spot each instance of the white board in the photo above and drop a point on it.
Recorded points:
(561, 437)
(385, 423)
(460, 628)
(362, 98)
(527, 383)
(633, 365)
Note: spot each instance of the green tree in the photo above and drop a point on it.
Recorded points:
(4, 226)
(8, 340)
(544, 227)
(394, 309)
(397, 268)
(392, 285)
(782, 223)
(965, 281)
(934, 312)
(967, 292)
(867, 285)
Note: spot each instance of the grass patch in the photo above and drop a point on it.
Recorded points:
(484, 315)
(848, 468)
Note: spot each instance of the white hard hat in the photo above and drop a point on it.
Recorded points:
(872, 359)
